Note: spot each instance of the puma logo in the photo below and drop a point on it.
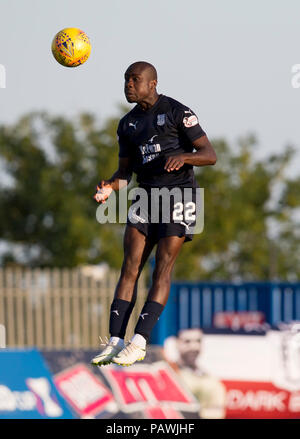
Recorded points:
(131, 124)
(137, 217)
(116, 311)
(186, 225)
(142, 315)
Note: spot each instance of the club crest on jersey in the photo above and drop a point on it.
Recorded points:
(161, 119)
(190, 121)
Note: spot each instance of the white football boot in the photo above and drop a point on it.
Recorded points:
(129, 355)
(112, 348)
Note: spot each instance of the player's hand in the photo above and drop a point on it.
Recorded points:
(174, 162)
(104, 190)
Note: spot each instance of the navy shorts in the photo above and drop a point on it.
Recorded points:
(162, 212)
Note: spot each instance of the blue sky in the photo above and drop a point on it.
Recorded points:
(229, 61)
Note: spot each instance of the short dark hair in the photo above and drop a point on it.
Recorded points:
(144, 65)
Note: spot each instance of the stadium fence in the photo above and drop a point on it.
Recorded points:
(58, 308)
(194, 305)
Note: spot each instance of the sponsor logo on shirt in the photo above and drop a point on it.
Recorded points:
(150, 150)
(190, 121)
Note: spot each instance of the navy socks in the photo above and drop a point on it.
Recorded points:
(148, 318)
(120, 312)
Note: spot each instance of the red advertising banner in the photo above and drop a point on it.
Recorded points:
(153, 389)
(238, 320)
(83, 390)
(249, 399)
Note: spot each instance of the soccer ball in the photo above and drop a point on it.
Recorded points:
(71, 47)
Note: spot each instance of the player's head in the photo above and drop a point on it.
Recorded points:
(189, 346)
(140, 81)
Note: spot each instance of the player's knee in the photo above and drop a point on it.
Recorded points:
(162, 273)
(130, 269)
(164, 262)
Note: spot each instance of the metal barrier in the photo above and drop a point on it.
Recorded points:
(2, 337)
(193, 305)
(59, 308)
(63, 308)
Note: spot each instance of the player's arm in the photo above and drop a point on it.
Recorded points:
(203, 156)
(187, 123)
(122, 176)
(117, 181)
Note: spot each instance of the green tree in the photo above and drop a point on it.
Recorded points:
(48, 209)
(237, 242)
(55, 164)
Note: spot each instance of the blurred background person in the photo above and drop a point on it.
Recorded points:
(183, 353)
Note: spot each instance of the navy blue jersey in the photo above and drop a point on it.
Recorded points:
(149, 137)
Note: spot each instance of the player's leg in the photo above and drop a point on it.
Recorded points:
(137, 248)
(167, 251)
